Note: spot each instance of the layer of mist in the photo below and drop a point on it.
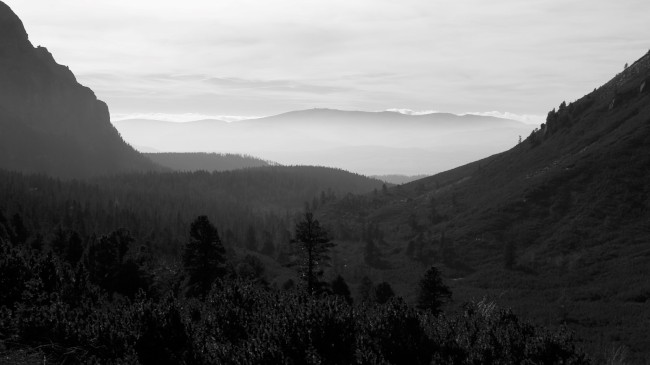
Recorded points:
(372, 143)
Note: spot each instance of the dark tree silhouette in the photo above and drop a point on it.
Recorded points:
(19, 230)
(111, 263)
(59, 242)
(204, 257)
(340, 288)
(75, 248)
(383, 292)
(37, 242)
(251, 268)
(314, 246)
(433, 292)
(104, 256)
(288, 285)
(365, 289)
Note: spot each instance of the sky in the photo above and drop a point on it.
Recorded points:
(233, 59)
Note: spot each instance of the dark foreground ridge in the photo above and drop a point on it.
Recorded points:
(49, 123)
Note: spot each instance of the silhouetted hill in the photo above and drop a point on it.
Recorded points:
(205, 161)
(557, 227)
(398, 179)
(365, 142)
(49, 123)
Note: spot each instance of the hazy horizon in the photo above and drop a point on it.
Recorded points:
(361, 142)
(192, 117)
(236, 61)
(254, 237)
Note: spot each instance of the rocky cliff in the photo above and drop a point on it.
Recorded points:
(49, 123)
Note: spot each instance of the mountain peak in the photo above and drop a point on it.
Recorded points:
(12, 31)
(49, 123)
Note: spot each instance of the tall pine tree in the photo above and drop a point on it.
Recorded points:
(204, 257)
(314, 247)
(433, 292)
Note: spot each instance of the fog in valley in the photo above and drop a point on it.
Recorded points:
(324, 182)
(371, 143)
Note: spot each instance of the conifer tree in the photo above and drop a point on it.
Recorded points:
(204, 257)
(75, 248)
(19, 230)
(365, 289)
(340, 288)
(383, 292)
(433, 292)
(314, 246)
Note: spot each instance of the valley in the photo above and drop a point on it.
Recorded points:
(370, 143)
(320, 236)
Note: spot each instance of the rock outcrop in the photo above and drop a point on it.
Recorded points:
(49, 123)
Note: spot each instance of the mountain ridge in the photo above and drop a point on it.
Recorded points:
(50, 123)
(310, 137)
(206, 161)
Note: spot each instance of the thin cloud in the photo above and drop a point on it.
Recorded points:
(180, 118)
(411, 112)
(271, 57)
(273, 85)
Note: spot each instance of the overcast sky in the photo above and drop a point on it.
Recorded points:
(258, 57)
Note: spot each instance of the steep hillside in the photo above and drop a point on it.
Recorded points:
(557, 227)
(49, 123)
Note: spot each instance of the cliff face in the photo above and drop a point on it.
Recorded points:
(50, 123)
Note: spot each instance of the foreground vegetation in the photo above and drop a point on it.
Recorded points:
(113, 308)
(555, 228)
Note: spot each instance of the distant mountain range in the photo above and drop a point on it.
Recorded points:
(366, 142)
(49, 123)
(556, 227)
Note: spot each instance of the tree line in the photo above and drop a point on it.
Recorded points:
(110, 305)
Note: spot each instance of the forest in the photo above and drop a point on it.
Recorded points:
(536, 255)
(79, 289)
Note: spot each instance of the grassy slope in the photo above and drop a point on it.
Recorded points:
(575, 206)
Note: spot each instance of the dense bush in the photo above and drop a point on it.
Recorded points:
(242, 322)
(69, 314)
